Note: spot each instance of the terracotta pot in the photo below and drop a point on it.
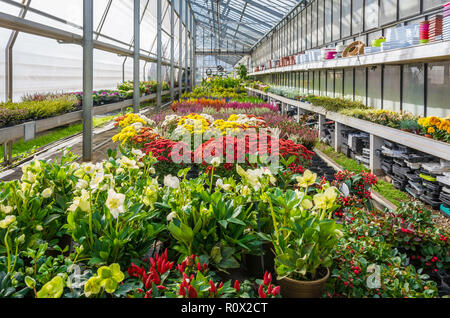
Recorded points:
(292, 288)
(429, 136)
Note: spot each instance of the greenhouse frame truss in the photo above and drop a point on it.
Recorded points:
(89, 41)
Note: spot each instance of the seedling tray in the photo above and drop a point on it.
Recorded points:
(435, 204)
(413, 177)
(431, 186)
(412, 192)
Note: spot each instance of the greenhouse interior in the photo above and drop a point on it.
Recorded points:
(235, 149)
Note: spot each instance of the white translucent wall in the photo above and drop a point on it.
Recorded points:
(42, 65)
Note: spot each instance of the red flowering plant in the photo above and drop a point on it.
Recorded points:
(355, 190)
(171, 155)
(191, 278)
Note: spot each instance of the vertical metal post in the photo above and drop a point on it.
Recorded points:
(159, 52)
(186, 51)
(194, 64)
(191, 49)
(180, 48)
(88, 77)
(136, 62)
(9, 54)
(172, 50)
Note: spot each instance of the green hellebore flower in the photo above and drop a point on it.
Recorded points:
(108, 277)
(52, 289)
(92, 286)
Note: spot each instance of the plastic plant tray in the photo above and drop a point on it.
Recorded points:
(431, 186)
(413, 177)
(445, 210)
(435, 204)
(386, 169)
(401, 171)
(432, 195)
(443, 180)
(400, 162)
(417, 186)
(412, 192)
(427, 177)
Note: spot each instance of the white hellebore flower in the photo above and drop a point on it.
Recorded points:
(115, 203)
(47, 193)
(171, 182)
(88, 168)
(39, 228)
(128, 163)
(7, 221)
(216, 162)
(138, 153)
(171, 216)
(219, 183)
(6, 209)
(81, 184)
(97, 180)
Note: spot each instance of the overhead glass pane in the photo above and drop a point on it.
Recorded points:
(414, 89)
(336, 19)
(388, 11)
(330, 83)
(309, 23)
(314, 24)
(357, 16)
(338, 83)
(348, 83)
(391, 88)
(346, 17)
(431, 4)
(374, 87)
(409, 8)
(360, 84)
(371, 14)
(317, 83)
(320, 23)
(328, 20)
(438, 89)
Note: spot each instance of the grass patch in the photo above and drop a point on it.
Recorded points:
(341, 159)
(25, 148)
(385, 189)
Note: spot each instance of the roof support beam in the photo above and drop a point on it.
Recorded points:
(264, 8)
(238, 12)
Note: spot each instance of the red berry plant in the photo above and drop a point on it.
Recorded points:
(359, 190)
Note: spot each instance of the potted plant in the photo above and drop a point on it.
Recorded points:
(304, 238)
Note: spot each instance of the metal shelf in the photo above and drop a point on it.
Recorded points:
(18, 131)
(421, 53)
(432, 147)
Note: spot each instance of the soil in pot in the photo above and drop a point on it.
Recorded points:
(292, 288)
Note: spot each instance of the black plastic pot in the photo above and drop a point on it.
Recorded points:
(256, 265)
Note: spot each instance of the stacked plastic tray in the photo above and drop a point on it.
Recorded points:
(446, 22)
(436, 24)
(422, 176)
